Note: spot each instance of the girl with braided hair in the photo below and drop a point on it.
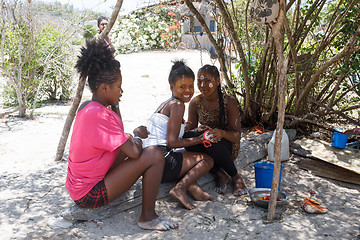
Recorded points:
(104, 161)
(218, 113)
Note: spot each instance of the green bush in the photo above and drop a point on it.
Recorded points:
(76, 42)
(89, 32)
(58, 79)
(44, 63)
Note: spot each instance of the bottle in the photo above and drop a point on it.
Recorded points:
(285, 154)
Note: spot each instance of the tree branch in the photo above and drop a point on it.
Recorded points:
(328, 111)
(297, 119)
(348, 49)
(80, 89)
(112, 21)
(244, 66)
(218, 50)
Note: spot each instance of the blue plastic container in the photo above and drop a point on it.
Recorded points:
(339, 139)
(264, 174)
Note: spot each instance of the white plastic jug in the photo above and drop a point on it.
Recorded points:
(285, 154)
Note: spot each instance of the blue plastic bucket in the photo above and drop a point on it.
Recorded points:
(264, 174)
(339, 139)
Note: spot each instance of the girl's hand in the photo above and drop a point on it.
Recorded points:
(202, 128)
(217, 135)
(187, 126)
(141, 132)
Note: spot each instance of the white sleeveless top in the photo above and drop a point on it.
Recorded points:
(157, 126)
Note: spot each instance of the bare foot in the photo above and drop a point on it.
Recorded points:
(181, 196)
(198, 193)
(159, 223)
(221, 181)
(238, 185)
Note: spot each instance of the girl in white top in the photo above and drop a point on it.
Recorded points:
(166, 127)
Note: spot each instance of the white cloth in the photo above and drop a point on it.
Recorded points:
(157, 126)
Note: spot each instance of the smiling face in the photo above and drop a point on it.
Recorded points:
(103, 24)
(183, 89)
(207, 84)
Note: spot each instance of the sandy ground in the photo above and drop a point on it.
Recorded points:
(32, 188)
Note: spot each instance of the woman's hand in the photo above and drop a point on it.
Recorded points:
(217, 135)
(141, 132)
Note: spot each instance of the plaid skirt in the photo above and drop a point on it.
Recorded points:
(95, 198)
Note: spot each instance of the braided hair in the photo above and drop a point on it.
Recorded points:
(97, 62)
(210, 69)
(179, 70)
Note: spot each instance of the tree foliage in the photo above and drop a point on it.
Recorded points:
(320, 67)
(35, 58)
(155, 27)
(89, 31)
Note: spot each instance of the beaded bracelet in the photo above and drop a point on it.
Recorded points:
(137, 137)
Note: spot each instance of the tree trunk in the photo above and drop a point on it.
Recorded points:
(278, 34)
(37, 92)
(80, 89)
(19, 94)
(244, 66)
(70, 119)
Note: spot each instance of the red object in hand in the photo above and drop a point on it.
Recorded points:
(207, 142)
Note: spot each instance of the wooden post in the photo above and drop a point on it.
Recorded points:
(80, 89)
(278, 35)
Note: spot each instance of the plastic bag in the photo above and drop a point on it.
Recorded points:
(285, 154)
(264, 11)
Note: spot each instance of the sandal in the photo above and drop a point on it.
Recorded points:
(312, 206)
(221, 190)
(160, 224)
(240, 192)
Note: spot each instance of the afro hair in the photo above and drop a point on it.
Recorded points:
(96, 58)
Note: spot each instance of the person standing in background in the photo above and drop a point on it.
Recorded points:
(102, 23)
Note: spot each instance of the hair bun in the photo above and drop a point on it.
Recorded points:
(177, 64)
(94, 58)
(179, 70)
